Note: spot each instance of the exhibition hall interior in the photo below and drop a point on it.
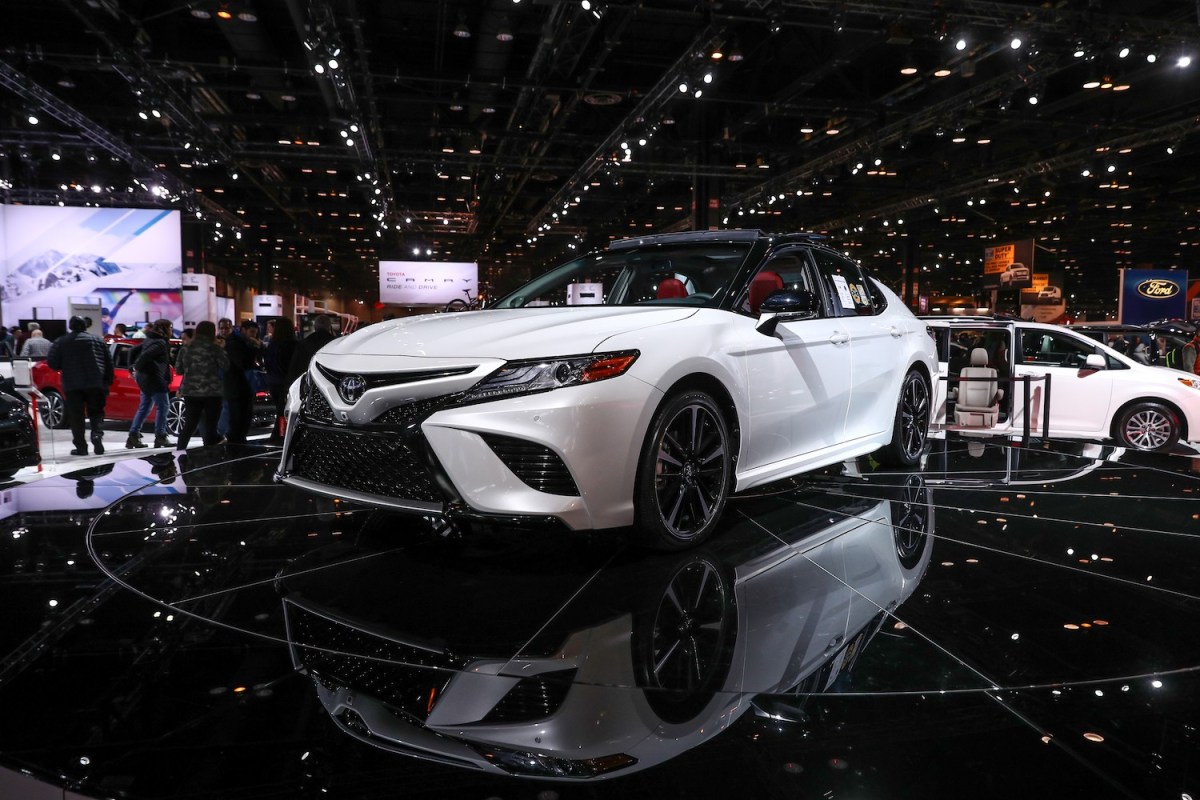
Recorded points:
(706, 398)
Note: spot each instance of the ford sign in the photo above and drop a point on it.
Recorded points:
(1157, 288)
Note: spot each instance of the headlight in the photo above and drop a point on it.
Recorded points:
(542, 375)
(1195, 384)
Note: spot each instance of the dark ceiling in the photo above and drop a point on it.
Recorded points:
(521, 140)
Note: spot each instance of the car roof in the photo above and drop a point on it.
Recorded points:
(732, 235)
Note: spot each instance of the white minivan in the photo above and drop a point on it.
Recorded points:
(1076, 386)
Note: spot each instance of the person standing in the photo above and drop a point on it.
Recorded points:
(278, 359)
(36, 346)
(8, 342)
(152, 371)
(308, 346)
(200, 363)
(245, 352)
(87, 372)
(1188, 360)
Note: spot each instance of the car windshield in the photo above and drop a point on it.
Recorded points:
(697, 274)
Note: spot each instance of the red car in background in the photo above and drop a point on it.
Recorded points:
(123, 395)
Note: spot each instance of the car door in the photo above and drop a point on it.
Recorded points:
(876, 345)
(1079, 398)
(123, 395)
(798, 380)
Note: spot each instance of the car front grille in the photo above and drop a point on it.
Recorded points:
(406, 678)
(313, 404)
(410, 412)
(533, 698)
(538, 467)
(379, 463)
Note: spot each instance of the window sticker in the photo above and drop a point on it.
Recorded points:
(864, 297)
(843, 290)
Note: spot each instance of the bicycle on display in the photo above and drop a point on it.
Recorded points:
(470, 304)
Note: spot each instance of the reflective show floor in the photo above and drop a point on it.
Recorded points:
(1009, 621)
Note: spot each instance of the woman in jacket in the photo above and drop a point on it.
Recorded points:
(152, 371)
(201, 364)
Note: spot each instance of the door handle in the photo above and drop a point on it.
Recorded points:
(839, 338)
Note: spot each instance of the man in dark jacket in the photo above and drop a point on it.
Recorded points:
(152, 371)
(245, 352)
(87, 372)
(307, 347)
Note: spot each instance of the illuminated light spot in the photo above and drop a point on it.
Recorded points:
(792, 768)
(1046, 739)
(1106, 558)
(1003, 499)
(1020, 497)
(899, 626)
(1156, 684)
(1071, 626)
(839, 763)
(1099, 622)
(1084, 561)
(1093, 737)
(1099, 693)
(239, 689)
(947, 563)
(972, 560)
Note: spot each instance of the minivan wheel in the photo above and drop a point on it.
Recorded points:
(685, 472)
(1148, 426)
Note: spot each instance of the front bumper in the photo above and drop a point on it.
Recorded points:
(568, 455)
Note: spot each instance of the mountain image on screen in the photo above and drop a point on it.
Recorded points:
(53, 268)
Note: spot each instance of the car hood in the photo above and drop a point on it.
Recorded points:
(505, 334)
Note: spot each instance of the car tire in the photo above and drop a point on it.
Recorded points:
(53, 410)
(1148, 426)
(683, 644)
(175, 416)
(910, 431)
(912, 518)
(685, 473)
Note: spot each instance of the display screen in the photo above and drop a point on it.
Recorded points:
(128, 259)
(427, 283)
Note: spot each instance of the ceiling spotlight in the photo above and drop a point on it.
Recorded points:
(717, 53)
(141, 114)
(708, 77)
(1123, 52)
(1184, 61)
(1033, 99)
(461, 31)
(683, 87)
(736, 55)
(319, 68)
(224, 13)
(201, 13)
(504, 33)
(333, 63)
(33, 118)
(1016, 43)
(1151, 57)
(1080, 52)
(56, 154)
(961, 44)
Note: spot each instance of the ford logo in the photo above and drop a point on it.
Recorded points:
(352, 387)
(1158, 288)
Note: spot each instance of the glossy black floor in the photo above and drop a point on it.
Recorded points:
(1010, 621)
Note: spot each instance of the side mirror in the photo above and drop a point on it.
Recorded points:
(784, 305)
(1095, 361)
(790, 301)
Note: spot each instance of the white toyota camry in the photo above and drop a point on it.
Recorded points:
(639, 385)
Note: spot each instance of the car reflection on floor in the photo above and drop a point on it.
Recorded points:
(653, 656)
(154, 607)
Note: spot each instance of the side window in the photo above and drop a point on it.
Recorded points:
(787, 270)
(121, 356)
(1053, 349)
(844, 287)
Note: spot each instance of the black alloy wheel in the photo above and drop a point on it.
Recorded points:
(685, 474)
(911, 428)
(685, 646)
(912, 515)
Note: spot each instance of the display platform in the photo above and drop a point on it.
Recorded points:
(1007, 621)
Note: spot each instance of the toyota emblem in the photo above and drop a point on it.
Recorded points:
(352, 387)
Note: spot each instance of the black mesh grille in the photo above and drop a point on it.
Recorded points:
(314, 405)
(385, 464)
(538, 467)
(410, 412)
(406, 678)
(533, 698)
